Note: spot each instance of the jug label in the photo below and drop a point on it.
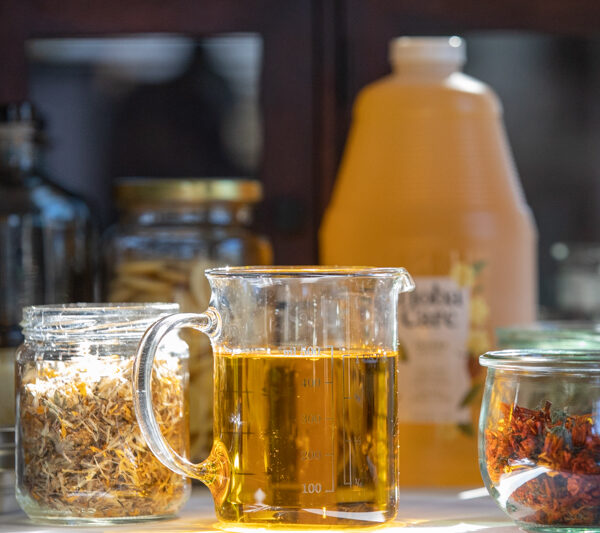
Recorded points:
(433, 331)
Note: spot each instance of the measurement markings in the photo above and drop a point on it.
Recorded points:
(349, 382)
(332, 420)
(232, 432)
(235, 392)
(344, 415)
(350, 462)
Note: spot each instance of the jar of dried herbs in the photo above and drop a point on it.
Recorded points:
(168, 232)
(539, 439)
(80, 455)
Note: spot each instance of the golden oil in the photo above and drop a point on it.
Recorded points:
(311, 437)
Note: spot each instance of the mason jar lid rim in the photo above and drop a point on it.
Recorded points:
(92, 321)
(133, 190)
(550, 327)
(310, 271)
(543, 359)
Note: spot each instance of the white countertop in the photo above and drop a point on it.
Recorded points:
(425, 512)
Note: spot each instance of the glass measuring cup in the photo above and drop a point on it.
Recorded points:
(305, 388)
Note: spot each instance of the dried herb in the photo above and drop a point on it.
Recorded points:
(83, 453)
(566, 450)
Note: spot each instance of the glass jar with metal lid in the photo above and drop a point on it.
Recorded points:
(168, 232)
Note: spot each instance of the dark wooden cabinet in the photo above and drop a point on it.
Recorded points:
(289, 167)
(317, 55)
(368, 26)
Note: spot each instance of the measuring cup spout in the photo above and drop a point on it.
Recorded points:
(404, 282)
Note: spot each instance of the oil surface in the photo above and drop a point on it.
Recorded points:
(311, 437)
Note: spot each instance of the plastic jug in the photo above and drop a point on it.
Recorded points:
(427, 181)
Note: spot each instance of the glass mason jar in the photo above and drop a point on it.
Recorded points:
(539, 437)
(80, 455)
(168, 233)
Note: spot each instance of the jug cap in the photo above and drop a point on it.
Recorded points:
(446, 50)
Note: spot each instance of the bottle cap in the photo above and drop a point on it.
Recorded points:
(446, 50)
(17, 112)
(22, 117)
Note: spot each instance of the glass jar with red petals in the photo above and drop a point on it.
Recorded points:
(539, 438)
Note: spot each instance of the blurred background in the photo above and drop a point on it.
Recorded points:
(245, 93)
(163, 105)
(147, 105)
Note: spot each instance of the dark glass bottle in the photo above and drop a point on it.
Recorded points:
(46, 247)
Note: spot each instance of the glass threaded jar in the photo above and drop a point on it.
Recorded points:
(80, 455)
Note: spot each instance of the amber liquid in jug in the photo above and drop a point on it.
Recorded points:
(428, 168)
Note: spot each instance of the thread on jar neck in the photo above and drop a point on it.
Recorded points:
(91, 322)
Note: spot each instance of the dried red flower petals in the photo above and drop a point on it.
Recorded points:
(566, 447)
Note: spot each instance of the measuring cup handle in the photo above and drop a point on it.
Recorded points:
(211, 471)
